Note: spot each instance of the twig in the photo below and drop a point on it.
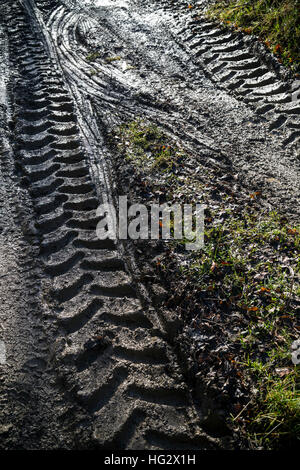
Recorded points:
(243, 409)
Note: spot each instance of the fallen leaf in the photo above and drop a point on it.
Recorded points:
(252, 309)
(213, 266)
(282, 371)
(254, 195)
(264, 289)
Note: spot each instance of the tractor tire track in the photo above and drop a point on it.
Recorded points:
(241, 65)
(110, 350)
(223, 126)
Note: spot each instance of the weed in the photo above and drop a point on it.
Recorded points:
(112, 59)
(92, 56)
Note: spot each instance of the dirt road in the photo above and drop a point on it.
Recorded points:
(89, 359)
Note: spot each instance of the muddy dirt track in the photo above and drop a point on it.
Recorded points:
(90, 362)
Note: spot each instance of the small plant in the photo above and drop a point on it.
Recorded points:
(92, 56)
(93, 72)
(112, 59)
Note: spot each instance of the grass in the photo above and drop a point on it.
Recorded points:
(92, 56)
(113, 59)
(93, 72)
(147, 146)
(275, 417)
(241, 265)
(276, 22)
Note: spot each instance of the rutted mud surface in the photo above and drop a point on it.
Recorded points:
(150, 63)
(90, 362)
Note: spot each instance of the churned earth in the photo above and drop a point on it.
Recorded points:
(91, 350)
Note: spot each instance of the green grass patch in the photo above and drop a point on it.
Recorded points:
(275, 416)
(250, 263)
(276, 22)
(113, 59)
(92, 56)
(148, 147)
